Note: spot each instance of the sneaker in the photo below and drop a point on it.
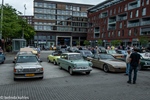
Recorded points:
(129, 82)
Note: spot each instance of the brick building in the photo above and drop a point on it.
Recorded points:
(124, 20)
(60, 22)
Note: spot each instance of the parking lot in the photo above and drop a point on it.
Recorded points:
(59, 85)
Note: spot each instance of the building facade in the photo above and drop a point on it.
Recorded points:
(60, 23)
(125, 20)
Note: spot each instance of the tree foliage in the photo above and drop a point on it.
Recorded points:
(115, 42)
(99, 42)
(86, 42)
(13, 24)
(143, 40)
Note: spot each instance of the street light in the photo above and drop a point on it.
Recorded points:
(25, 19)
(1, 20)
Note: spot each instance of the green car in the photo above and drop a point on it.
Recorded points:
(74, 62)
(145, 60)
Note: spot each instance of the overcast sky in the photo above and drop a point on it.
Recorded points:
(19, 4)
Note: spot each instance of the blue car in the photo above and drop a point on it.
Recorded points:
(124, 52)
(2, 58)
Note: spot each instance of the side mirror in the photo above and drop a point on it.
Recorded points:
(13, 61)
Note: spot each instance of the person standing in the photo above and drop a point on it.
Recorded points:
(128, 62)
(134, 62)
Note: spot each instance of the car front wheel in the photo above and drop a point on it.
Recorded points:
(54, 62)
(105, 68)
(70, 71)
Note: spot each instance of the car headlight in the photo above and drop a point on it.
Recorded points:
(74, 65)
(39, 69)
(18, 70)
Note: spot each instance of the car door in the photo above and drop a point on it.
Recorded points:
(95, 60)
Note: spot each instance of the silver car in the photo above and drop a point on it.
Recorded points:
(28, 66)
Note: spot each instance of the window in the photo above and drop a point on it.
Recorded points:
(108, 34)
(130, 14)
(114, 11)
(142, 2)
(129, 32)
(110, 12)
(137, 13)
(119, 10)
(119, 33)
(143, 11)
(147, 2)
(120, 25)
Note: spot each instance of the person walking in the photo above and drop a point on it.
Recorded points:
(128, 62)
(134, 62)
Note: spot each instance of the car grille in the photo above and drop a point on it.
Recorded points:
(29, 70)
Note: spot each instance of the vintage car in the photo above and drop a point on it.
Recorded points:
(28, 66)
(53, 57)
(144, 61)
(108, 63)
(74, 62)
(28, 49)
(116, 55)
(85, 53)
(2, 57)
(21, 52)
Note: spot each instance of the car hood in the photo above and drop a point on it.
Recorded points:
(116, 63)
(80, 63)
(28, 65)
(117, 55)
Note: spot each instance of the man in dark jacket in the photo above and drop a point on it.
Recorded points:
(134, 62)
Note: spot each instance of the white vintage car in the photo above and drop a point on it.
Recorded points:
(28, 66)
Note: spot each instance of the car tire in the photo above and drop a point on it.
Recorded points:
(70, 71)
(105, 68)
(87, 73)
(15, 79)
(54, 62)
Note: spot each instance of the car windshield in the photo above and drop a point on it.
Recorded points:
(75, 57)
(104, 56)
(25, 59)
(112, 52)
(87, 53)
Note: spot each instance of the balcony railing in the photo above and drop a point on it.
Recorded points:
(122, 18)
(111, 28)
(145, 23)
(132, 6)
(112, 20)
(133, 24)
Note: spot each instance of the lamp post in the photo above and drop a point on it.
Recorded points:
(1, 20)
(25, 19)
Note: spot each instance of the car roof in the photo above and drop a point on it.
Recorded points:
(26, 49)
(26, 54)
(71, 53)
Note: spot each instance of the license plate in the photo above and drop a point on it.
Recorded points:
(29, 75)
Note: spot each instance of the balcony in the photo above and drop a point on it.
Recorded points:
(122, 18)
(145, 23)
(133, 24)
(111, 28)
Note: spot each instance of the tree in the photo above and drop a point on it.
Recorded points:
(13, 25)
(86, 43)
(143, 40)
(99, 42)
(115, 42)
(78, 42)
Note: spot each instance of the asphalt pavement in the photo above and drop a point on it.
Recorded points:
(60, 85)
